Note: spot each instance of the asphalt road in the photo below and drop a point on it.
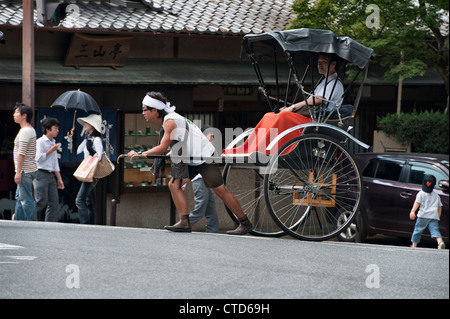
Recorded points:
(56, 260)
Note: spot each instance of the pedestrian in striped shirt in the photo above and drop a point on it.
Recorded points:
(25, 163)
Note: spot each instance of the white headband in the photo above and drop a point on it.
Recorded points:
(157, 104)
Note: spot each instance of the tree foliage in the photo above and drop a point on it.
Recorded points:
(407, 36)
(426, 131)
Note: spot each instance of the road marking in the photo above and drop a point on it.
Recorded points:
(16, 259)
(7, 246)
(21, 257)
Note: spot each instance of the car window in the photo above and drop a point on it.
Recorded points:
(384, 169)
(370, 169)
(418, 170)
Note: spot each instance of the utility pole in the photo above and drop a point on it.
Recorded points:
(400, 88)
(28, 53)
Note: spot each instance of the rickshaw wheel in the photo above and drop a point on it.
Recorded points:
(307, 182)
(246, 183)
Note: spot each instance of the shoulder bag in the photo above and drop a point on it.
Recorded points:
(104, 167)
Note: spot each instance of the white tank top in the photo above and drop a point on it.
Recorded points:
(197, 145)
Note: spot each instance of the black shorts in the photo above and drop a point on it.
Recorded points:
(210, 173)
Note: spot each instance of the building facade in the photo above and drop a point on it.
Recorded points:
(117, 50)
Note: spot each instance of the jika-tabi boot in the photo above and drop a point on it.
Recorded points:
(244, 227)
(182, 226)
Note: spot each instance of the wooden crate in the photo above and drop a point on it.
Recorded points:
(320, 200)
(137, 176)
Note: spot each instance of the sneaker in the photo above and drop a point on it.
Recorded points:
(441, 245)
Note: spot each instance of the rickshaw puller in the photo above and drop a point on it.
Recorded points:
(155, 108)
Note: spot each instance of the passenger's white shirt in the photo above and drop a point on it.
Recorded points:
(337, 93)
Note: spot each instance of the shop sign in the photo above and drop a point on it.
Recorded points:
(87, 50)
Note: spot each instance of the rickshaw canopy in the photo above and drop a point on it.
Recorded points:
(307, 40)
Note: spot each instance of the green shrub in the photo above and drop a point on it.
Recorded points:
(427, 131)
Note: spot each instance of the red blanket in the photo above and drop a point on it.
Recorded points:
(271, 125)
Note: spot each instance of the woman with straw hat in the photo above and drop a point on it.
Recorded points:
(91, 145)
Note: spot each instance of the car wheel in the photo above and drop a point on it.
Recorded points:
(361, 233)
(348, 234)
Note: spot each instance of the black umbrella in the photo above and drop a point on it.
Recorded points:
(77, 100)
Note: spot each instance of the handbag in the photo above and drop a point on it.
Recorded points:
(104, 167)
(85, 171)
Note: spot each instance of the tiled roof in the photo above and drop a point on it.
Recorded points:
(224, 17)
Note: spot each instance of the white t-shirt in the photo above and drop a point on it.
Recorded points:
(197, 145)
(429, 203)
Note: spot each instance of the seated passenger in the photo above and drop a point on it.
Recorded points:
(272, 124)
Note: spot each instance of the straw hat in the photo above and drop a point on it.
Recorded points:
(93, 119)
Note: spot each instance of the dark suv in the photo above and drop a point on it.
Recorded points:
(391, 183)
